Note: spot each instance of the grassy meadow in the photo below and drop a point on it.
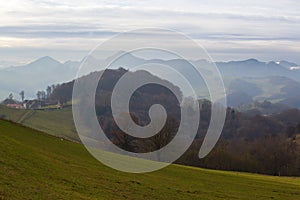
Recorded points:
(35, 165)
(54, 122)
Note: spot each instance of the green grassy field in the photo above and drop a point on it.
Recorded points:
(54, 122)
(34, 165)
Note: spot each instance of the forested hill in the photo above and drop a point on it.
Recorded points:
(247, 142)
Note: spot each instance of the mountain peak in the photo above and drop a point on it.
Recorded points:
(45, 60)
(251, 60)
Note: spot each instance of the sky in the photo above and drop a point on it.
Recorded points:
(229, 30)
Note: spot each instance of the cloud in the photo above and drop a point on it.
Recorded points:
(62, 24)
(59, 31)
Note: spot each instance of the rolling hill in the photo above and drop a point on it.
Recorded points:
(277, 89)
(58, 123)
(38, 166)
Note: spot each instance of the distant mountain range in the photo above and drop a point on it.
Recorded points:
(246, 81)
(35, 76)
(255, 68)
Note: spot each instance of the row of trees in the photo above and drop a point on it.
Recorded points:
(44, 95)
(273, 155)
(41, 94)
(257, 144)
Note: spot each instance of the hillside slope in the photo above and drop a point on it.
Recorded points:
(38, 166)
(54, 122)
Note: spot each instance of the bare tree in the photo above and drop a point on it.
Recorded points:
(49, 91)
(159, 140)
(43, 95)
(122, 139)
(10, 96)
(39, 95)
(22, 94)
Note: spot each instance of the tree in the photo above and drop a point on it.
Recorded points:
(160, 139)
(43, 95)
(49, 91)
(53, 87)
(123, 139)
(39, 95)
(22, 94)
